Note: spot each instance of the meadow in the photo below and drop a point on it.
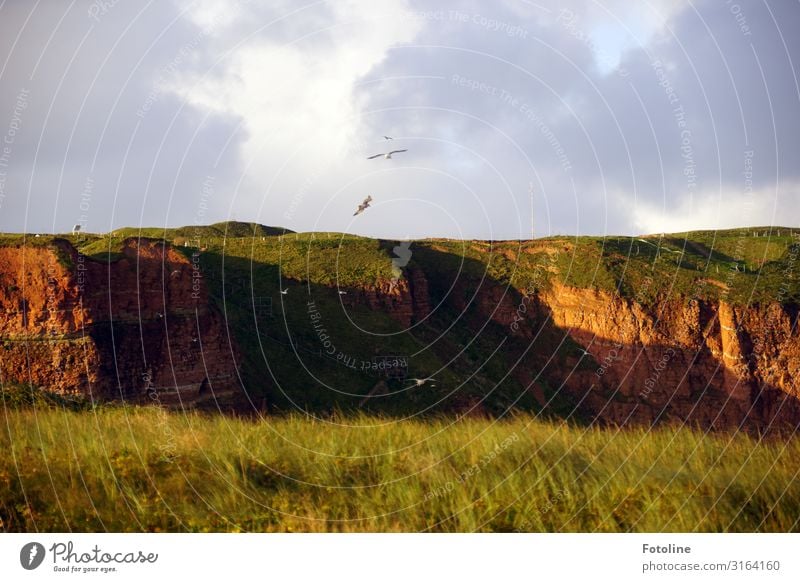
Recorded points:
(124, 468)
(70, 466)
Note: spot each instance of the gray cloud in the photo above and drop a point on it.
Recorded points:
(625, 118)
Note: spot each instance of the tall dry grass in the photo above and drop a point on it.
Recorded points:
(145, 469)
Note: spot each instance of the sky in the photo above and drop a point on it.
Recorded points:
(570, 117)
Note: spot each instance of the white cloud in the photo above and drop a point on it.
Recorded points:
(210, 14)
(720, 209)
(301, 93)
(611, 28)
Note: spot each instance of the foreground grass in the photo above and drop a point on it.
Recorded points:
(134, 469)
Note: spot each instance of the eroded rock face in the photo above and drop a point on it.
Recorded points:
(143, 324)
(138, 328)
(406, 300)
(711, 364)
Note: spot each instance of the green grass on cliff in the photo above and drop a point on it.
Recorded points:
(740, 266)
(746, 265)
(145, 469)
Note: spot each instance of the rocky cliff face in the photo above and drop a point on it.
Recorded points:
(710, 364)
(137, 328)
(405, 299)
(141, 328)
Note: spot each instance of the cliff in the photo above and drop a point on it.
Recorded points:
(139, 328)
(707, 363)
(697, 328)
(700, 330)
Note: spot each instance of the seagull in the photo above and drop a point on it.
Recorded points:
(419, 381)
(284, 291)
(386, 156)
(76, 229)
(342, 292)
(363, 206)
(387, 137)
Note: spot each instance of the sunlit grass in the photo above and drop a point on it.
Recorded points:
(132, 469)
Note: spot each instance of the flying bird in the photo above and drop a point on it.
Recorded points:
(387, 156)
(342, 292)
(387, 137)
(363, 206)
(284, 291)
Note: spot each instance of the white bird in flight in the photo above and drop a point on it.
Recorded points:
(284, 291)
(363, 206)
(387, 156)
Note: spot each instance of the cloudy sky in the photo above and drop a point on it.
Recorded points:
(622, 117)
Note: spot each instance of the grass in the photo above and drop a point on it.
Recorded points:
(229, 229)
(145, 469)
(746, 265)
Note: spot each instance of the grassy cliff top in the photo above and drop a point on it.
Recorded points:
(745, 265)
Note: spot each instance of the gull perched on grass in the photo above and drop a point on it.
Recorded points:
(387, 156)
(363, 206)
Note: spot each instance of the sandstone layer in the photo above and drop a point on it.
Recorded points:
(710, 364)
(138, 328)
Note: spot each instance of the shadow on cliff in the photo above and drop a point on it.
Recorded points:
(315, 348)
(606, 380)
(320, 349)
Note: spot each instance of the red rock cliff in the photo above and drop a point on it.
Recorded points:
(711, 364)
(139, 328)
(405, 299)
